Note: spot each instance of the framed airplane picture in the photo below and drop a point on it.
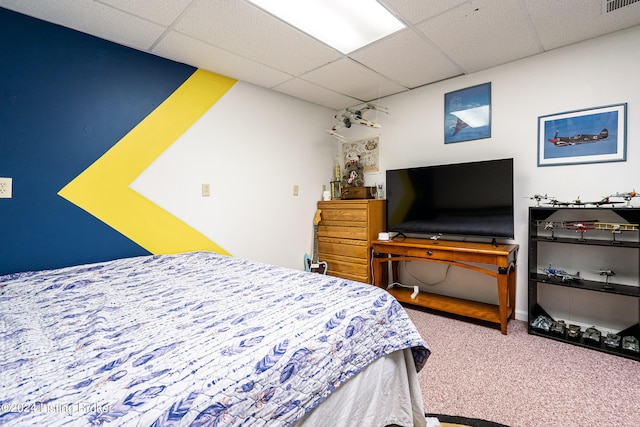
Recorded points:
(583, 136)
(467, 114)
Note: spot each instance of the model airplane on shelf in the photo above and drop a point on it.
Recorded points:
(606, 200)
(615, 228)
(627, 196)
(353, 116)
(561, 141)
(555, 202)
(539, 197)
(581, 227)
(608, 274)
(556, 273)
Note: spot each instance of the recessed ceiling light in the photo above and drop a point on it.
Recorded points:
(345, 25)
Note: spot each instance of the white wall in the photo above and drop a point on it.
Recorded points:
(252, 147)
(590, 74)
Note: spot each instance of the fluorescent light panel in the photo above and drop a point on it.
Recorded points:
(345, 25)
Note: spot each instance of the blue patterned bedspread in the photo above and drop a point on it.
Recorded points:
(187, 339)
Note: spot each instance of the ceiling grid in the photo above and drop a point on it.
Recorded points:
(443, 39)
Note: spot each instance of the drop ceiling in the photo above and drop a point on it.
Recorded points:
(443, 39)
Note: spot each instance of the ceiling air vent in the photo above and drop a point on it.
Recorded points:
(611, 5)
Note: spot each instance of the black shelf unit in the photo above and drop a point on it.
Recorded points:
(565, 234)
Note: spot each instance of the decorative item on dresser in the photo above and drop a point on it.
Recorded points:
(345, 234)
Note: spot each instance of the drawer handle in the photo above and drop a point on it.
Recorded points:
(429, 253)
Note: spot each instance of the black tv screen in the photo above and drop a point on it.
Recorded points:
(468, 199)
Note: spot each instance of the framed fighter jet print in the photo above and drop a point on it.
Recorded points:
(467, 114)
(583, 136)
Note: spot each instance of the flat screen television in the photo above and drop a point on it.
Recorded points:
(463, 199)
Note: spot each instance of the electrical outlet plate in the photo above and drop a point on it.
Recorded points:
(206, 190)
(5, 188)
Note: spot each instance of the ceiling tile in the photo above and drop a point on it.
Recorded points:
(92, 18)
(414, 12)
(163, 12)
(242, 28)
(199, 54)
(184, 49)
(318, 95)
(352, 79)
(483, 33)
(422, 63)
(567, 22)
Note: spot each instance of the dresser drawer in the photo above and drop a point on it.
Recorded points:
(348, 270)
(350, 215)
(343, 247)
(346, 232)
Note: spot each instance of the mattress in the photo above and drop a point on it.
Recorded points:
(190, 339)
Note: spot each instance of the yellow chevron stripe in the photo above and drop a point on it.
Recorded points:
(103, 188)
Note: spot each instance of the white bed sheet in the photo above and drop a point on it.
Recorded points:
(378, 396)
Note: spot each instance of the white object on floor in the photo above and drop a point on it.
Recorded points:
(433, 422)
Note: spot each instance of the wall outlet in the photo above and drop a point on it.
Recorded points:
(206, 190)
(5, 188)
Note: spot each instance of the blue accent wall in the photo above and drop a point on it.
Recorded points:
(65, 99)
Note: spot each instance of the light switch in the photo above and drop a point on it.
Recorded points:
(295, 190)
(5, 188)
(206, 190)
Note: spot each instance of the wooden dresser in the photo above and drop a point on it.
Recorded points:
(345, 233)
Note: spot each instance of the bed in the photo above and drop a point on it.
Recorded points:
(204, 339)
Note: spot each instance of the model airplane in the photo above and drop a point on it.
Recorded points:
(539, 197)
(561, 141)
(581, 227)
(353, 116)
(615, 228)
(627, 196)
(550, 226)
(556, 202)
(608, 274)
(561, 274)
(604, 201)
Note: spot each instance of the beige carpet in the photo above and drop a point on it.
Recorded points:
(522, 380)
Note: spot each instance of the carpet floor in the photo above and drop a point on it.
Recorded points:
(522, 380)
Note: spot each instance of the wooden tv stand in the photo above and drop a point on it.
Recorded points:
(461, 254)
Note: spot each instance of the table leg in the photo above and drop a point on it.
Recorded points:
(512, 291)
(503, 291)
(377, 271)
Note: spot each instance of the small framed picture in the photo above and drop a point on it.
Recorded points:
(591, 135)
(467, 114)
